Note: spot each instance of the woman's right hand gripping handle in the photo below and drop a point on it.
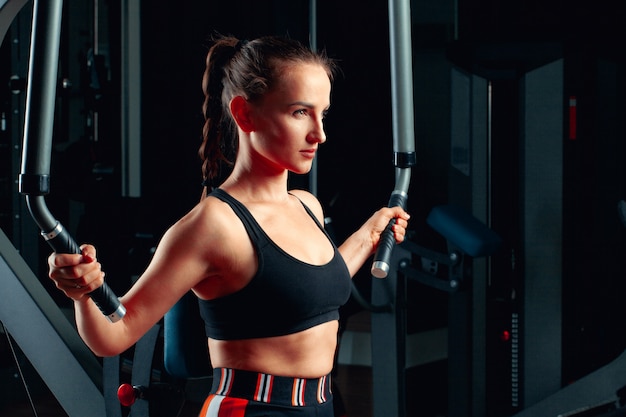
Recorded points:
(81, 275)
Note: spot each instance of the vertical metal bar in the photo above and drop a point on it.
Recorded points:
(96, 51)
(23, 234)
(459, 346)
(389, 342)
(131, 98)
(401, 75)
(34, 179)
(480, 180)
(542, 211)
(110, 383)
(142, 368)
(41, 93)
(402, 119)
(389, 328)
(313, 43)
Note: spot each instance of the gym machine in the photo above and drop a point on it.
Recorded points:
(29, 314)
(602, 393)
(387, 360)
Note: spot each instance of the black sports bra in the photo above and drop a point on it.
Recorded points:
(285, 295)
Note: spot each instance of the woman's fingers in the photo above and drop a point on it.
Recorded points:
(76, 274)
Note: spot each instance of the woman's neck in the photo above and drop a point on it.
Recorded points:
(253, 186)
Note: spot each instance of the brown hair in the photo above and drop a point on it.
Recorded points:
(247, 69)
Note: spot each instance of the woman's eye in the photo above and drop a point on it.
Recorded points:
(300, 112)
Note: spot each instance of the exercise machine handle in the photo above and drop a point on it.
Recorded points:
(61, 241)
(34, 179)
(403, 126)
(380, 266)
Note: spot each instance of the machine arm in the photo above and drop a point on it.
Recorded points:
(402, 117)
(34, 179)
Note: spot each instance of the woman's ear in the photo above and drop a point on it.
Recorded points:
(242, 113)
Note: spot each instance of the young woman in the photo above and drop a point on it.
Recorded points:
(268, 278)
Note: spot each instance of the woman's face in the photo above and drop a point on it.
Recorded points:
(288, 120)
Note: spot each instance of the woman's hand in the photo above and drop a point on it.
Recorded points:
(379, 221)
(364, 242)
(76, 274)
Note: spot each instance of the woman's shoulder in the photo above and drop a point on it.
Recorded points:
(210, 229)
(310, 201)
(209, 215)
(204, 224)
(305, 196)
(206, 243)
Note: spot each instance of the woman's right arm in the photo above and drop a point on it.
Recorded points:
(77, 275)
(180, 262)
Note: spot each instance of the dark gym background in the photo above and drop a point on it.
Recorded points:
(498, 41)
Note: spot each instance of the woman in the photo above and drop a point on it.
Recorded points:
(268, 277)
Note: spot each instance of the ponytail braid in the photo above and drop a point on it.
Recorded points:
(219, 146)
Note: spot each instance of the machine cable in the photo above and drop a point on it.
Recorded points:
(19, 369)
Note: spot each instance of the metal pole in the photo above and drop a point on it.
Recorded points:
(402, 119)
(34, 179)
(313, 43)
(389, 327)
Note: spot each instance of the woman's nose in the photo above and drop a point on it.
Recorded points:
(318, 134)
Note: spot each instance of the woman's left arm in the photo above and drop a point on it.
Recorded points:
(363, 243)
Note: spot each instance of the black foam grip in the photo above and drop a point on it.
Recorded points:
(63, 242)
(103, 296)
(105, 299)
(380, 267)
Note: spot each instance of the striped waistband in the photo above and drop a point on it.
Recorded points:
(253, 386)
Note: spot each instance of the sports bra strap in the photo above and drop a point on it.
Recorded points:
(243, 213)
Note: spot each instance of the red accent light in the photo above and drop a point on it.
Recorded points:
(505, 336)
(572, 117)
(126, 394)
